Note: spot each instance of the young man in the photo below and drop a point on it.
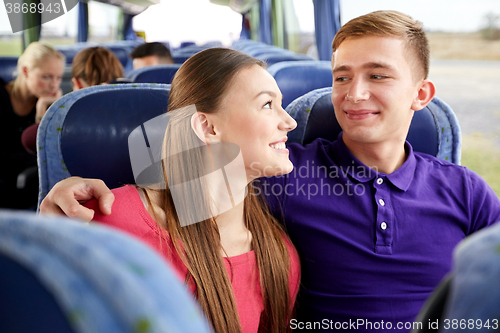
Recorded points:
(373, 254)
(151, 54)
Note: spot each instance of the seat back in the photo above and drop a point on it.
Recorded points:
(434, 130)
(258, 51)
(60, 275)
(85, 133)
(472, 300)
(296, 78)
(69, 52)
(8, 67)
(122, 53)
(273, 58)
(180, 58)
(474, 291)
(154, 74)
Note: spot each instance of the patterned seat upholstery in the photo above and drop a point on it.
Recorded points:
(61, 275)
(85, 133)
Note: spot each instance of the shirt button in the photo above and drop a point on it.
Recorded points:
(381, 202)
(383, 225)
(380, 181)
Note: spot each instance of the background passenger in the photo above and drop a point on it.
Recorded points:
(151, 54)
(91, 66)
(23, 102)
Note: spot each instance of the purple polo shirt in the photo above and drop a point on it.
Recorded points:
(373, 246)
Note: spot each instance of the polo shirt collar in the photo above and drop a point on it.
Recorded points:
(401, 178)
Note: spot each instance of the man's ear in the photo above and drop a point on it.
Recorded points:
(204, 128)
(424, 95)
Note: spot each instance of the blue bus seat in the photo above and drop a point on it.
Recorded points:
(130, 44)
(186, 44)
(61, 275)
(246, 44)
(273, 58)
(472, 298)
(434, 130)
(192, 49)
(122, 53)
(69, 52)
(154, 74)
(85, 133)
(212, 44)
(295, 78)
(258, 50)
(180, 58)
(474, 290)
(8, 67)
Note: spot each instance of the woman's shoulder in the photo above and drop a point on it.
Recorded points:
(126, 208)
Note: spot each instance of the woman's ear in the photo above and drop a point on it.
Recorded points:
(204, 128)
(78, 84)
(24, 71)
(425, 94)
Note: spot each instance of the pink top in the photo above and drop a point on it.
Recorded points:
(130, 215)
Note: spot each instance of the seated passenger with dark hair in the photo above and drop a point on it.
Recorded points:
(151, 54)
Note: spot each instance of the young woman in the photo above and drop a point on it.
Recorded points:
(91, 66)
(23, 102)
(239, 264)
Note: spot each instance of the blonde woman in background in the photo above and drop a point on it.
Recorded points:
(91, 66)
(23, 102)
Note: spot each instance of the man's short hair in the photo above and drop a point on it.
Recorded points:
(391, 24)
(153, 49)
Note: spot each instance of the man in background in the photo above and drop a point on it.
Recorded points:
(151, 54)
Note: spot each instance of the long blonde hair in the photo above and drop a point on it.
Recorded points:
(203, 81)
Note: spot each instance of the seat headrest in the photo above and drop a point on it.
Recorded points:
(85, 133)
(154, 74)
(8, 67)
(296, 78)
